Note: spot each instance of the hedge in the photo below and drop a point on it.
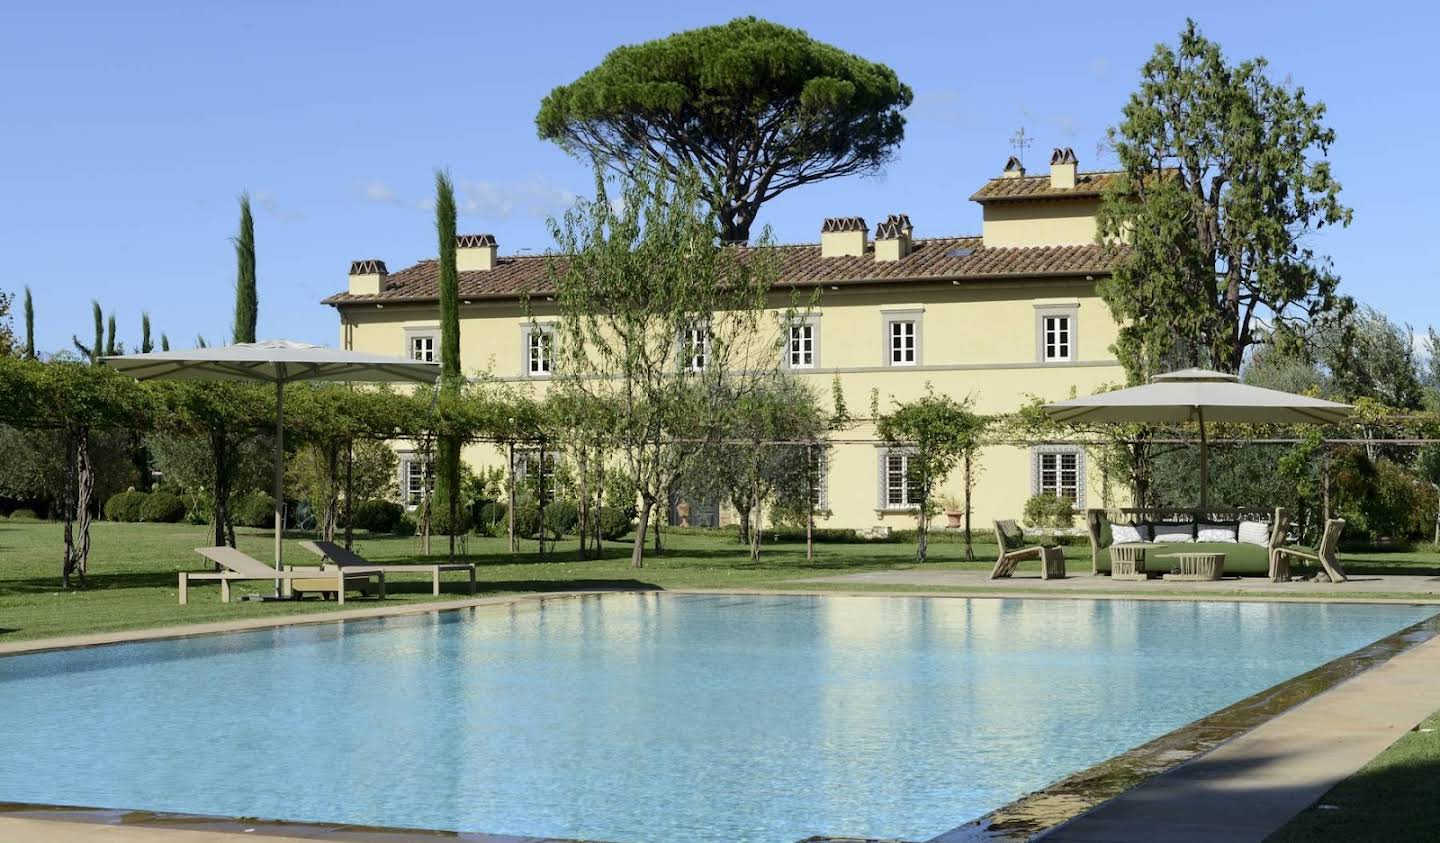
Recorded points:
(377, 516)
(253, 509)
(162, 507)
(125, 506)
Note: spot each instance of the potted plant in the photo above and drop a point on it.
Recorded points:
(954, 512)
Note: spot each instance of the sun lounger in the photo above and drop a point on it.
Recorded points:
(239, 567)
(348, 560)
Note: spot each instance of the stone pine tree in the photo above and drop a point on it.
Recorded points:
(753, 107)
(447, 485)
(247, 299)
(1225, 180)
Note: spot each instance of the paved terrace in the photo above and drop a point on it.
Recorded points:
(1365, 587)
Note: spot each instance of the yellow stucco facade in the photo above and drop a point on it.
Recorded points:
(995, 337)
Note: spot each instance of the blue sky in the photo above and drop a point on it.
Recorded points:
(131, 128)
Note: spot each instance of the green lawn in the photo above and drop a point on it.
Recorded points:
(132, 572)
(132, 580)
(1395, 797)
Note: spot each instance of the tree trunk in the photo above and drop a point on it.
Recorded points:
(540, 500)
(67, 510)
(349, 494)
(637, 555)
(426, 474)
(583, 498)
(659, 516)
(809, 504)
(510, 509)
(969, 482)
(220, 453)
(757, 527)
(922, 529)
(332, 491)
(78, 556)
(743, 513)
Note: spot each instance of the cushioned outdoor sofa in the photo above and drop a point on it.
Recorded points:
(1246, 537)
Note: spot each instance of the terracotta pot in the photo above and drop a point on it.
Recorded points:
(955, 519)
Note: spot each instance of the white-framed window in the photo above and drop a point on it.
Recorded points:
(819, 480)
(414, 475)
(537, 475)
(899, 484)
(801, 345)
(695, 348)
(539, 351)
(423, 346)
(902, 342)
(1055, 333)
(1059, 470)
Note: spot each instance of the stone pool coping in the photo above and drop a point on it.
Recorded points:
(1043, 811)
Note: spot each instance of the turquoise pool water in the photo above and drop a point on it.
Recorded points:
(713, 719)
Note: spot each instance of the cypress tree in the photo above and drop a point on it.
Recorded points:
(164, 342)
(247, 300)
(447, 486)
(146, 346)
(110, 347)
(29, 324)
(93, 351)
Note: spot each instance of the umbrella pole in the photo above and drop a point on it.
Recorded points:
(1204, 463)
(279, 476)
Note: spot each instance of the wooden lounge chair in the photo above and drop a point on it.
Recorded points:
(1011, 538)
(239, 567)
(1324, 555)
(345, 559)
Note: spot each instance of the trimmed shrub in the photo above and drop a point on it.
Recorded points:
(491, 518)
(406, 526)
(253, 509)
(527, 521)
(615, 523)
(440, 521)
(1050, 511)
(561, 518)
(162, 507)
(379, 516)
(125, 506)
(24, 515)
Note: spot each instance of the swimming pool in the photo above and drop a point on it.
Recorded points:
(649, 717)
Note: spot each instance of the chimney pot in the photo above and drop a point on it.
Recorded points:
(1064, 168)
(893, 238)
(367, 277)
(843, 237)
(476, 252)
(1013, 169)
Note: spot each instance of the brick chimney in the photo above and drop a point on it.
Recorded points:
(1013, 169)
(476, 252)
(892, 238)
(1063, 167)
(842, 237)
(367, 277)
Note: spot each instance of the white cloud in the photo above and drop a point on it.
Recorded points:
(534, 196)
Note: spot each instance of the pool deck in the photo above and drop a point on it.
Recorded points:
(1362, 588)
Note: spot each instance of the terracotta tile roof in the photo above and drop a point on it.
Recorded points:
(930, 259)
(1038, 187)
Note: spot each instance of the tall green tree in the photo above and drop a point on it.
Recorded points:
(146, 344)
(447, 485)
(936, 433)
(660, 322)
(112, 346)
(93, 351)
(29, 324)
(247, 298)
(754, 107)
(1225, 178)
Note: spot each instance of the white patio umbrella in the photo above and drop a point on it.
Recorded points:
(1199, 395)
(278, 362)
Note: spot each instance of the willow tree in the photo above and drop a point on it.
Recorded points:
(661, 322)
(447, 485)
(753, 107)
(1225, 180)
(247, 298)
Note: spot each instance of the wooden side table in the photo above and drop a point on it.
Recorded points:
(1196, 567)
(1127, 562)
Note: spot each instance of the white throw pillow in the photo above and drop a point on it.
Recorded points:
(1255, 532)
(1215, 533)
(1173, 534)
(1125, 534)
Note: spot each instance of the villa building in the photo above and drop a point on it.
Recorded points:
(999, 317)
